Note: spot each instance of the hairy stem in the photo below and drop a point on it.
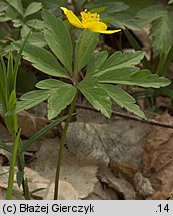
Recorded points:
(61, 148)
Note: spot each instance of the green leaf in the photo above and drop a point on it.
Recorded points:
(84, 48)
(25, 31)
(19, 176)
(36, 190)
(151, 13)
(40, 133)
(51, 84)
(59, 99)
(170, 2)
(17, 4)
(11, 12)
(132, 76)
(96, 62)
(42, 60)
(6, 147)
(58, 39)
(1, 174)
(11, 120)
(4, 93)
(121, 14)
(161, 33)
(123, 99)
(4, 18)
(100, 59)
(18, 57)
(35, 23)
(96, 96)
(10, 72)
(35, 95)
(110, 6)
(37, 39)
(32, 8)
(120, 60)
(17, 23)
(31, 99)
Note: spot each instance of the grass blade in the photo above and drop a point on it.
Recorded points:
(16, 65)
(6, 147)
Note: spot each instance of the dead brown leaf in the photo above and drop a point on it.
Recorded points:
(158, 156)
(143, 185)
(120, 185)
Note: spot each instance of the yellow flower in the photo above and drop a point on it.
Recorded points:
(89, 21)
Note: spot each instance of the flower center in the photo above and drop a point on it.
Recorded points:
(89, 18)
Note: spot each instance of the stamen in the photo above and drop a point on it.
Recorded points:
(88, 18)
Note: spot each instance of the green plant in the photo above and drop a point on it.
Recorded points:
(23, 17)
(95, 75)
(8, 77)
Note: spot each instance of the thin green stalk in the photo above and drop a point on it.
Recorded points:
(12, 164)
(61, 148)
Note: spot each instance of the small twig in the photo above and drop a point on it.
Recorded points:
(128, 116)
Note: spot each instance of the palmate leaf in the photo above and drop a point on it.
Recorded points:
(123, 99)
(120, 60)
(120, 69)
(61, 95)
(42, 59)
(58, 39)
(96, 96)
(58, 94)
(133, 76)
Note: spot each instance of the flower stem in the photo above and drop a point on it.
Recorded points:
(61, 148)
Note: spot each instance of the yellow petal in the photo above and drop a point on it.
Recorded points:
(110, 31)
(97, 26)
(72, 18)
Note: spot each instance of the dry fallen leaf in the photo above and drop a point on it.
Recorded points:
(119, 185)
(115, 140)
(158, 156)
(143, 185)
(35, 181)
(79, 174)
